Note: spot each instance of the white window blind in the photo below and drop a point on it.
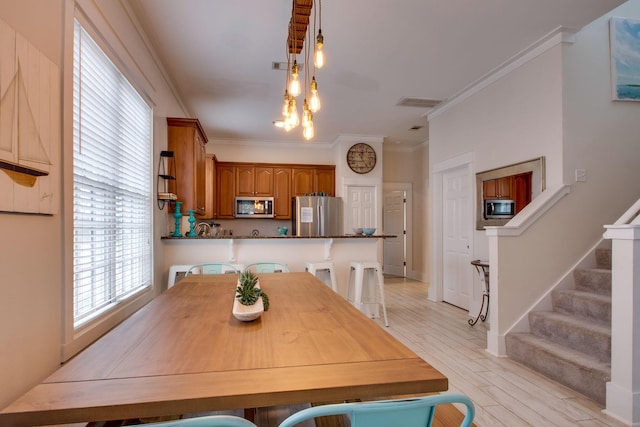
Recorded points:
(112, 177)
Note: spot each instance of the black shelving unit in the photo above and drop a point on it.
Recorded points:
(166, 174)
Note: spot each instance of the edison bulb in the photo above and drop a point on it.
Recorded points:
(293, 118)
(314, 100)
(319, 52)
(308, 131)
(294, 84)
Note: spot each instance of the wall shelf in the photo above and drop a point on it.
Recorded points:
(166, 175)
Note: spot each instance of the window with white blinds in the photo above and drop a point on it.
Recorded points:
(112, 178)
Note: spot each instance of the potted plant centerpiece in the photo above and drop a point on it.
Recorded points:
(250, 301)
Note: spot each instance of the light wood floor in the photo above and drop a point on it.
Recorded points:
(504, 392)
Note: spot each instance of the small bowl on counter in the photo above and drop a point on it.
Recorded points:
(357, 231)
(368, 231)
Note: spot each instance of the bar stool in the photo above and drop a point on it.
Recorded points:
(323, 266)
(359, 271)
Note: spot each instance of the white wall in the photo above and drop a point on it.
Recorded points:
(30, 253)
(558, 105)
(35, 253)
(514, 116)
(271, 152)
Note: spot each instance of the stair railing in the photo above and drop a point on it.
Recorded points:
(631, 216)
(623, 390)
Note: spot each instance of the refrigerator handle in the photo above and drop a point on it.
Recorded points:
(320, 219)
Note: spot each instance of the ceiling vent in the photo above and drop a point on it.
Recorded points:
(417, 127)
(418, 102)
(282, 66)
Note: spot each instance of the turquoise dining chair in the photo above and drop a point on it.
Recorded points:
(267, 267)
(416, 412)
(206, 421)
(212, 268)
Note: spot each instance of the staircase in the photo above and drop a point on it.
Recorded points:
(572, 343)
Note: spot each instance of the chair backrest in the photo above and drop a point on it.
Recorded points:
(416, 412)
(213, 268)
(208, 421)
(268, 267)
(177, 272)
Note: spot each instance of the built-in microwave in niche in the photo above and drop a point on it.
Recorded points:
(499, 208)
(254, 207)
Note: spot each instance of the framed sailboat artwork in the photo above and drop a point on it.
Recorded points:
(29, 127)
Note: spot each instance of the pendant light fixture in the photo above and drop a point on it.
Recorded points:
(299, 30)
(294, 84)
(318, 57)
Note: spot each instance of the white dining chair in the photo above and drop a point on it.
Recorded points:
(177, 271)
(213, 268)
(267, 267)
(411, 412)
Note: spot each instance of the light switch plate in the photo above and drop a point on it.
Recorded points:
(581, 175)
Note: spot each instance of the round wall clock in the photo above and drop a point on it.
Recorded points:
(361, 158)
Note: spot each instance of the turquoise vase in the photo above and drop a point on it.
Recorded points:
(192, 224)
(178, 216)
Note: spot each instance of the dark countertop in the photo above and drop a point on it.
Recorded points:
(344, 236)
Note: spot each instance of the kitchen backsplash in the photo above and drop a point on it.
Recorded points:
(238, 227)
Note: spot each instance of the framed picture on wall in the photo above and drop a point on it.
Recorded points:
(29, 127)
(625, 59)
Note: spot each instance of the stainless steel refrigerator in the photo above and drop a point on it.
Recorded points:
(317, 216)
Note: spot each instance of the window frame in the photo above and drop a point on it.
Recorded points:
(77, 337)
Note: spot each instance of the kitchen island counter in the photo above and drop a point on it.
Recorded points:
(343, 236)
(295, 251)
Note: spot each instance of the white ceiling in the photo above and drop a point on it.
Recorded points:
(219, 54)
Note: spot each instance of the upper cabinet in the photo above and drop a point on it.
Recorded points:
(254, 181)
(302, 181)
(325, 180)
(313, 179)
(500, 188)
(211, 179)
(187, 140)
(282, 192)
(280, 181)
(225, 195)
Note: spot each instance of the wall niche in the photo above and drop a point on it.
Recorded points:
(520, 182)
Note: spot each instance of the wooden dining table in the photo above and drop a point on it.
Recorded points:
(185, 352)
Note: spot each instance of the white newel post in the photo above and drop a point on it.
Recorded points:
(623, 391)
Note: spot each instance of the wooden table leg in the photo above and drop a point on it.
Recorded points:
(250, 414)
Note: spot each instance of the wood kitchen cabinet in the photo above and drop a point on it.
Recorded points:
(522, 190)
(280, 181)
(325, 180)
(226, 191)
(254, 181)
(501, 188)
(302, 181)
(282, 192)
(187, 140)
(314, 179)
(211, 179)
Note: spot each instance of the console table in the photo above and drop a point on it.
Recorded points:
(483, 268)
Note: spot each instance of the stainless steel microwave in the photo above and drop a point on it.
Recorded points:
(499, 208)
(254, 207)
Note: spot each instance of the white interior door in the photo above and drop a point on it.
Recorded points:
(395, 222)
(361, 207)
(457, 228)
